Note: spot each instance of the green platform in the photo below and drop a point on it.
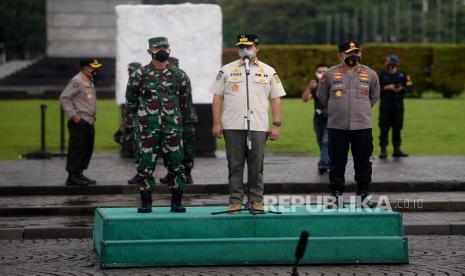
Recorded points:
(124, 238)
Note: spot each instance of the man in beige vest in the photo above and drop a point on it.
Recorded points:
(79, 102)
(229, 91)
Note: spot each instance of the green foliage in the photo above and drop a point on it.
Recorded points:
(432, 67)
(449, 70)
(22, 28)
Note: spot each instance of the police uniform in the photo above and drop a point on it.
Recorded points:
(391, 109)
(349, 97)
(264, 84)
(79, 98)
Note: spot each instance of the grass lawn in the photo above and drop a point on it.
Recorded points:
(432, 127)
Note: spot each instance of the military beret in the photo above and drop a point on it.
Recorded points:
(349, 46)
(92, 62)
(247, 39)
(393, 58)
(158, 41)
(134, 66)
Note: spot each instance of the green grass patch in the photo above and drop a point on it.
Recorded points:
(432, 127)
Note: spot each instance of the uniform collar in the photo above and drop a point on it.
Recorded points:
(256, 61)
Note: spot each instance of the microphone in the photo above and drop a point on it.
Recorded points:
(247, 64)
(300, 251)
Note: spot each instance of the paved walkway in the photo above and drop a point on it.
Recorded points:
(110, 169)
(429, 255)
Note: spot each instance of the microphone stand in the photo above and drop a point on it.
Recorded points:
(247, 116)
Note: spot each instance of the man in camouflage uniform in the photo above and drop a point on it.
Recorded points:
(188, 139)
(125, 134)
(157, 99)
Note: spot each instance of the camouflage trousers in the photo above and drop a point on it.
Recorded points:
(162, 140)
(188, 139)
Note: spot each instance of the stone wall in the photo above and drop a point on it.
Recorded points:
(83, 28)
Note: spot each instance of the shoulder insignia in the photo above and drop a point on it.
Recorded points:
(219, 76)
(75, 84)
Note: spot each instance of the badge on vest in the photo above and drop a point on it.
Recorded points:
(235, 87)
(338, 93)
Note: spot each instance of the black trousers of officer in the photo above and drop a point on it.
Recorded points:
(390, 118)
(81, 146)
(361, 143)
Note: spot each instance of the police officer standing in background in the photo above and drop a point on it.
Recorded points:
(320, 119)
(79, 102)
(349, 90)
(229, 91)
(395, 84)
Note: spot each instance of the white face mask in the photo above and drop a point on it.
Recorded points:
(319, 75)
(247, 52)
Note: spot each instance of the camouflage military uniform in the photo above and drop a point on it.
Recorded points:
(188, 135)
(156, 102)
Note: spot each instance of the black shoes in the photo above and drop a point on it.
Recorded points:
(76, 180)
(89, 180)
(383, 154)
(399, 154)
(146, 202)
(323, 170)
(79, 179)
(369, 204)
(176, 198)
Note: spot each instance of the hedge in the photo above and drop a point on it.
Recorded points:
(432, 67)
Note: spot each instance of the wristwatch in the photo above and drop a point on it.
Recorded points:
(278, 123)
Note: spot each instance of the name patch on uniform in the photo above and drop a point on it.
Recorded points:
(363, 93)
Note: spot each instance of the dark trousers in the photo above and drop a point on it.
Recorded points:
(81, 146)
(237, 154)
(361, 143)
(321, 131)
(390, 118)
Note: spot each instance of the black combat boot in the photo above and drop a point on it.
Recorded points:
(363, 195)
(176, 198)
(168, 178)
(74, 179)
(91, 181)
(383, 153)
(146, 202)
(398, 153)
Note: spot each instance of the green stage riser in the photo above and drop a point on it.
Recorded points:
(123, 237)
(253, 251)
(127, 224)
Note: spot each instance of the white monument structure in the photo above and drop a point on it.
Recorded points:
(194, 33)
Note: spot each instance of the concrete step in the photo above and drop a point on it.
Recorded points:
(222, 188)
(85, 204)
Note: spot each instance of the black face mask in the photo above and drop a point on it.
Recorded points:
(161, 55)
(391, 66)
(94, 74)
(352, 60)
